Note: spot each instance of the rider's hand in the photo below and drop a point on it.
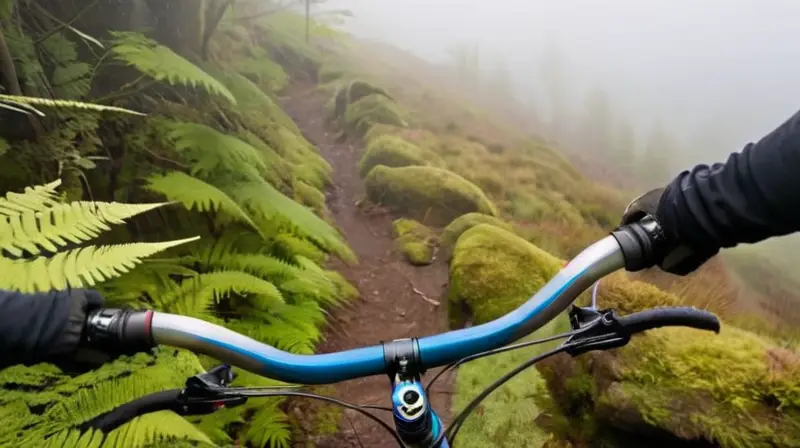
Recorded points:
(675, 256)
(44, 327)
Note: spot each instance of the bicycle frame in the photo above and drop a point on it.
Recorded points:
(404, 360)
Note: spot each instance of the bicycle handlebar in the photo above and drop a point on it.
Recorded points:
(632, 247)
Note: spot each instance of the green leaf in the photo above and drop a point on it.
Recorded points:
(162, 64)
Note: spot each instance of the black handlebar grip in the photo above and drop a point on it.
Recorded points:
(123, 331)
(111, 420)
(665, 317)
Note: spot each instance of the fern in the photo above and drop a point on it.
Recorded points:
(77, 268)
(195, 194)
(269, 427)
(196, 295)
(72, 81)
(210, 150)
(76, 222)
(263, 200)
(162, 64)
(26, 103)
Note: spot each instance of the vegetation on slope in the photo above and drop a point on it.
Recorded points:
(206, 136)
(553, 206)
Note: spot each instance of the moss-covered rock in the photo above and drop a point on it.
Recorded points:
(415, 241)
(433, 195)
(393, 151)
(370, 110)
(494, 271)
(735, 389)
(465, 222)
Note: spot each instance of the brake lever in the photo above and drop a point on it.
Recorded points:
(596, 330)
(204, 392)
(208, 392)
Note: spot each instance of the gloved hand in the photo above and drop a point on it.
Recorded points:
(674, 256)
(44, 327)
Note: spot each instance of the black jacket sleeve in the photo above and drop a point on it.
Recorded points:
(753, 196)
(42, 327)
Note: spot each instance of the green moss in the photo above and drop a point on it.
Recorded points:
(370, 110)
(433, 195)
(415, 241)
(393, 151)
(494, 271)
(507, 417)
(465, 222)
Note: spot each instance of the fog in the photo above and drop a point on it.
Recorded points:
(716, 73)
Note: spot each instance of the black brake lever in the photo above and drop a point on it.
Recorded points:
(599, 330)
(207, 392)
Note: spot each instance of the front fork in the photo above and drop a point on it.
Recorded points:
(415, 420)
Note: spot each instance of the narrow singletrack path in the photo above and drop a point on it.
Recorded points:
(389, 307)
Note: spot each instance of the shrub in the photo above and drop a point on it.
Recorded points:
(433, 195)
(415, 241)
(393, 151)
(494, 271)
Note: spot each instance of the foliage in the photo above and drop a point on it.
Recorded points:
(507, 416)
(433, 195)
(359, 105)
(162, 64)
(35, 222)
(415, 241)
(230, 164)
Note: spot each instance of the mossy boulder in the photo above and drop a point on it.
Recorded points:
(465, 222)
(735, 389)
(371, 110)
(434, 196)
(415, 241)
(493, 271)
(393, 151)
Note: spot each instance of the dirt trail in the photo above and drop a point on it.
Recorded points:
(389, 308)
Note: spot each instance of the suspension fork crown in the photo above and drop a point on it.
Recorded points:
(416, 422)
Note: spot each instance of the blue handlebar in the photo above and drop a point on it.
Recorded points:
(596, 261)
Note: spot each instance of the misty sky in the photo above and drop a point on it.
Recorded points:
(729, 69)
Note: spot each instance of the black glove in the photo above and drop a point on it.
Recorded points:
(673, 256)
(43, 327)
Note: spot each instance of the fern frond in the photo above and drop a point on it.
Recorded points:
(77, 268)
(264, 201)
(210, 149)
(151, 428)
(72, 81)
(59, 224)
(196, 295)
(35, 199)
(269, 427)
(162, 64)
(26, 102)
(195, 194)
(153, 278)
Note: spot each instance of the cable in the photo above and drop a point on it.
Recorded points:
(594, 294)
(507, 348)
(455, 426)
(357, 408)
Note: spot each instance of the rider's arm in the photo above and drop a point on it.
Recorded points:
(754, 195)
(42, 327)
